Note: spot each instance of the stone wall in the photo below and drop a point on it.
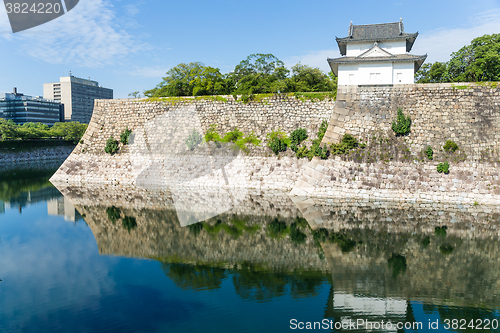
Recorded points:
(157, 154)
(468, 114)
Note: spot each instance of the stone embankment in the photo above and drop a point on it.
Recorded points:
(39, 156)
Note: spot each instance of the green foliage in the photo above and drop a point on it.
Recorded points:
(432, 73)
(129, 223)
(124, 135)
(235, 227)
(450, 146)
(195, 228)
(440, 231)
(277, 228)
(302, 152)
(479, 61)
(193, 140)
(322, 129)
(402, 125)
(278, 141)
(429, 152)
(69, 131)
(257, 74)
(443, 167)
(347, 143)
(297, 136)
(212, 134)
(296, 235)
(233, 136)
(308, 79)
(397, 263)
(113, 214)
(111, 146)
(426, 241)
(345, 243)
(321, 235)
(250, 139)
(446, 249)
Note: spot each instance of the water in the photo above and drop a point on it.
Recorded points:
(122, 259)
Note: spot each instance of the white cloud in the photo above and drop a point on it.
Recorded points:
(88, 36)
(314, 59)
(439, 44)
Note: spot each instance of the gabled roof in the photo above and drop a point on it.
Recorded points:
(417, 59)
(375, 49)
(377, 33)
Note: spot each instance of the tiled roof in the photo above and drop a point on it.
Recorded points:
(417, 59)
(377, 33)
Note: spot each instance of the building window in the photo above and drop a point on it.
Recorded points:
(375, 77)
(351, 78)
(399, 77)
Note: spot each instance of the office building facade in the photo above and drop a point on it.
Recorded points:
(77, 95)
(25, 109)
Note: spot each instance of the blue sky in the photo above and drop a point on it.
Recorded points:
(129, 45)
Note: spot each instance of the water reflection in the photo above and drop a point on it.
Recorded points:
(441, 254)
(404, 262)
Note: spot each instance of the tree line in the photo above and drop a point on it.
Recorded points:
(479, 61)
(257, 74)
(68, 131)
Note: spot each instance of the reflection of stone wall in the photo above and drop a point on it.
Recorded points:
(470, 275)
(159, 235)
(396, 216)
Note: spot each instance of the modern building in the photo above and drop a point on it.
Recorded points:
(77, 95)
(62, 207)
(376, 54)
(24, 109)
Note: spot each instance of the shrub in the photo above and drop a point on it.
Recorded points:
(124, 135)
(233, 136)
(129, 223)
(297, 136)
(321, 234)
(276, 228)
(429, 152)
(397, 263)
(212, 134)
(111, 146)
(402, 125)
(113, 214)
(450, 145)
(347, 143)
(443, 167)
(193, 140)
(345, 243)
(446, 249)
(322, 130)
(302, 152)
(249, 139)
(440, 231)
(297, 236)
(278, 141)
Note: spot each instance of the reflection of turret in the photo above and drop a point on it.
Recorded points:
(64, 207)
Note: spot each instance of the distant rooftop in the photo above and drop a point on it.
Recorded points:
(377, 33)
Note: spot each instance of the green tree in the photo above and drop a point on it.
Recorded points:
(306, 79)
(479, 61)
(209, 82)
(432, 73)
(8, 129)
(179, 81)
(69, 131)
(259, 73)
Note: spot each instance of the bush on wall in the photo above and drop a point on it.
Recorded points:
(111, 146)
(402, 125)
